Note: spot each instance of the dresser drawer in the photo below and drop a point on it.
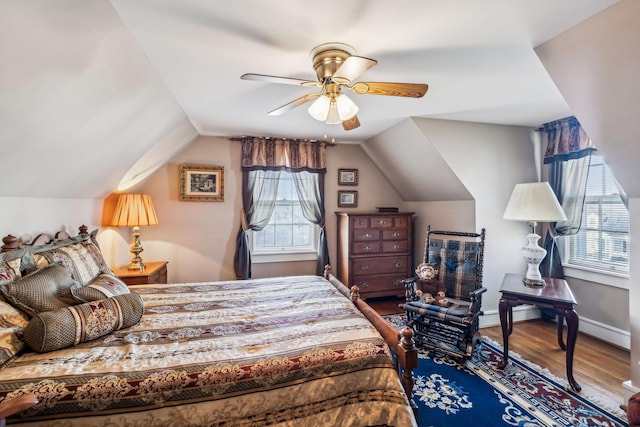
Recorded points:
(402, 234)
(400, 246)
(387, 284)
(380, 265)
(363, 248)
(365, 235)
(382, 222)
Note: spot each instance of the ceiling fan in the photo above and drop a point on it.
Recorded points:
(337, 65)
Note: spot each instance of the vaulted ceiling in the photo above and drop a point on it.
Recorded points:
(95, 91)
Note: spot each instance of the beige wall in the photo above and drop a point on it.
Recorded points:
(595, 65)
(198, 238)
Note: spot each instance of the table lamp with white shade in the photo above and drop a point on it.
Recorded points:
(533, 202)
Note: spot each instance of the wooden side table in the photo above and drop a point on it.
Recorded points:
(154, 272)
(555, 295)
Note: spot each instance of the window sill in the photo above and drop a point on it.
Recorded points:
(616, 280)
(283, 257)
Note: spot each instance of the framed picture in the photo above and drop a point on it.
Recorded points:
(201, 183)
(347, 176)
(347, 199)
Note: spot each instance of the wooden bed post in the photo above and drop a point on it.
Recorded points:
(10, 243)
(402, 343)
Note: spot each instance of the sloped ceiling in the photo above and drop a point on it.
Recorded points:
(79, 102)
(94, 92)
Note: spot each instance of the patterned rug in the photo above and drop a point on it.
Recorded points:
(479, 394)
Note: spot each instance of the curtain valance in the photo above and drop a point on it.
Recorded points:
(279, 153)
(566, 140)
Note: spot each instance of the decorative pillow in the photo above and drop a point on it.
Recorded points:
(69, 326)
(80, 255)
(456, 267)
(12, 324)
(46, 289)
(102, 287)
(12, 264)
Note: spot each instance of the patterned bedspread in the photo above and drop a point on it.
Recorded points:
(284, 351)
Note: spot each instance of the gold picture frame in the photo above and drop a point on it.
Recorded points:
(347, 176)
(201, 183)
(347, 199)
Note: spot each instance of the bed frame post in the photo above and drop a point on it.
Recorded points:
(10, 243)
(402, 343)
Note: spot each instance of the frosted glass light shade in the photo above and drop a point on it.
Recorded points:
(333, 110)
(346, 107)
(320, 108)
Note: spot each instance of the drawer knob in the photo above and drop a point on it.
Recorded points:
(364, 285)
(364, 267)
(381, 222)
(366, 248)
(367, 236)
(397, 264)
(396, 247)
(398, 282)
(396, 234)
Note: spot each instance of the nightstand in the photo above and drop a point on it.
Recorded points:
(154, 272)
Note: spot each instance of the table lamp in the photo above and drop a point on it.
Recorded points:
(533, 202)
(134, 210)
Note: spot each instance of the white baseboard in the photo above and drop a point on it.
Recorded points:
(628, 390)
(615, 336)
(520, 313)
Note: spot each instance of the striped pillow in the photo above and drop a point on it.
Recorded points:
(70, 326)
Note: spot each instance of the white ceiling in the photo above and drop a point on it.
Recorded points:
(94, 91)
(477, 57)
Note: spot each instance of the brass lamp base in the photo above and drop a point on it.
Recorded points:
(136, 248)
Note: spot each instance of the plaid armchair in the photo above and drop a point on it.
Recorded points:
(448, 324)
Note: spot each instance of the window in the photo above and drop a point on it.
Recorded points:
(287, 231)
(603, 240)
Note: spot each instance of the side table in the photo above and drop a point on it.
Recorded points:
(555, 295)
(154, 272)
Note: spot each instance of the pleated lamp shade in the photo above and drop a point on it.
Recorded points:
(134, 210)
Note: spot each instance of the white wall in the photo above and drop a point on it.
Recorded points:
(26, 217)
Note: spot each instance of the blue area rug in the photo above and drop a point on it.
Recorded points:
(479, 394)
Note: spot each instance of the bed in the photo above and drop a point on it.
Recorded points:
(285, 351)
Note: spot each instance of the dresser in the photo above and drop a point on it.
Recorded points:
(154, 272)
(375, 251)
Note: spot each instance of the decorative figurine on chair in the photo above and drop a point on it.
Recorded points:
(428, 287)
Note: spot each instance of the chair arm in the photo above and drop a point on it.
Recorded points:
(15, 405)
(475, 297)
(475, 294)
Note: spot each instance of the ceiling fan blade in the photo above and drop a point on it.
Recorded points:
(411, 90)
(281, 80)
(293, 104)
(350, 124)
(351, 68)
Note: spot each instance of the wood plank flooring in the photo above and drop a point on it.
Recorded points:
(599, 367)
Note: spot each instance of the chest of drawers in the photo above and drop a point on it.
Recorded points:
(374, 251)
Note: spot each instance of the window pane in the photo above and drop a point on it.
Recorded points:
(603, 240)
(288, 230)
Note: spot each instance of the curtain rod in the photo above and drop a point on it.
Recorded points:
(240, 138)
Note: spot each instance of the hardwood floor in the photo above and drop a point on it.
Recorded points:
(599, 367)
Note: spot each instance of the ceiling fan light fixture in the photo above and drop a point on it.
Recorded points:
(346, 107)
(333, 115)
(319, 110)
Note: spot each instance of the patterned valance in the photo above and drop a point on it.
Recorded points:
(566, 140)
(278, 153)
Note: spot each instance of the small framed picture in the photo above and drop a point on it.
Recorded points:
(202, 183)
(347, 176)
(347, 199)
